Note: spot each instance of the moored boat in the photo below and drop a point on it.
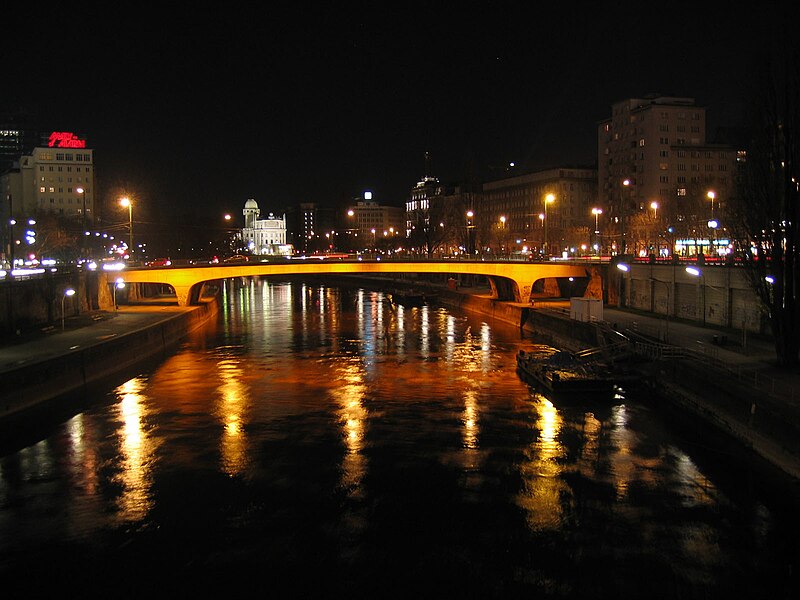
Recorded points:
(556, 375)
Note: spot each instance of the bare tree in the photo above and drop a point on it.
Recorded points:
(764, 215)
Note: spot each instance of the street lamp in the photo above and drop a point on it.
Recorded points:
(118, 285)
(623, 210)
(624, 268)
(549, 198)
(695, 272)
(712, 223)
(127, 202)
(470, 228)
(597, 212)
(69, 292)
(82, 192)
(711, 195)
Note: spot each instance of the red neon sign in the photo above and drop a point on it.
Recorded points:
(65, 139)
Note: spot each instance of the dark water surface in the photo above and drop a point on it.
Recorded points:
(318, 442)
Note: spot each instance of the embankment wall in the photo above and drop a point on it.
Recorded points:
(30, 386)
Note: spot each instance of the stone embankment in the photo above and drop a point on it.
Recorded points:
(33, 381)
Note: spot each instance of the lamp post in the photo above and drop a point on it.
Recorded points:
(549, 198)
(470, 234)
(82, 192)
(597, 212)
(118, 285)
(624, 268)
(127, 202)
(69, 292)
(654, 206)
(712, 223)
(622, 211)
(695, 272)
(502, 235)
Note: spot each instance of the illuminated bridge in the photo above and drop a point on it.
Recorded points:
(509, 280)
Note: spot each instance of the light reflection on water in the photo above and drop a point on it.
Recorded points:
(337, 421)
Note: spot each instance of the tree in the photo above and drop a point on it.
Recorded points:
(56, 237)
(764, 214)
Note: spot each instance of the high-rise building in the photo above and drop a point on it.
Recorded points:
(662, 186)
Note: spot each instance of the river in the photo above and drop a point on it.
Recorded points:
(318, 441)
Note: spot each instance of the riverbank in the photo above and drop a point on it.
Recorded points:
(50, 365)
(737, 391)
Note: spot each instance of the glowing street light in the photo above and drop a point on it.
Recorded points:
(597, 212)
(548, 199)
(711, 196)
(68, 293)
(118, 285)
(127, 202)
(624, 268)
(470, 232)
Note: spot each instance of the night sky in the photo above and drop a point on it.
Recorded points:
(291, 103)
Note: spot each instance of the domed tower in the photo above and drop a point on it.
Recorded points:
(250, 213)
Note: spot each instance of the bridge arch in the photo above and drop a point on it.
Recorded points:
(509, 280)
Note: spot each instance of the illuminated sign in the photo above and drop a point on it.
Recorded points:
(65, 139)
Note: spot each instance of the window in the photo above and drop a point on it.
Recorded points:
(663, 179)
(664, 153)
(681, 191)
(641, 142)
(59, 156)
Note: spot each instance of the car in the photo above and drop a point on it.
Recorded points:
(237, 258)
(159, 262)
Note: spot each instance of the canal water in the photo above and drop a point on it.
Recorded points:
(318, 441)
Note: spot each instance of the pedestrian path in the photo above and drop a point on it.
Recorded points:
(80, 332)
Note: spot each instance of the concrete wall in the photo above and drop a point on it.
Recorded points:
(34, 385)
(720, 296)
(34, 303)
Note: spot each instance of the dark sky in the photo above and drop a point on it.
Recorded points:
(292, 103)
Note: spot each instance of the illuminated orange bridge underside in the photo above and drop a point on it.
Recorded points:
(510, 281)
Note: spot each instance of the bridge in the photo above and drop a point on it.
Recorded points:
(509, 280)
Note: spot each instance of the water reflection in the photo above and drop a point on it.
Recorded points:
(352, 415)
(233, 408)
(321, 429)
(544, 489)
(136, 453)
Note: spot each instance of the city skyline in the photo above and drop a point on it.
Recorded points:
(300, 106)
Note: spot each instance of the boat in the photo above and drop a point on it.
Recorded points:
(408, 298)
(557, 373)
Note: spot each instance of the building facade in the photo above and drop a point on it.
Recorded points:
(370, 225)
(545, 213)
(264, 236)
(663, 187)
(57, 178)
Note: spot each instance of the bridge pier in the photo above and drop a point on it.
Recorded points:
(182, 292)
